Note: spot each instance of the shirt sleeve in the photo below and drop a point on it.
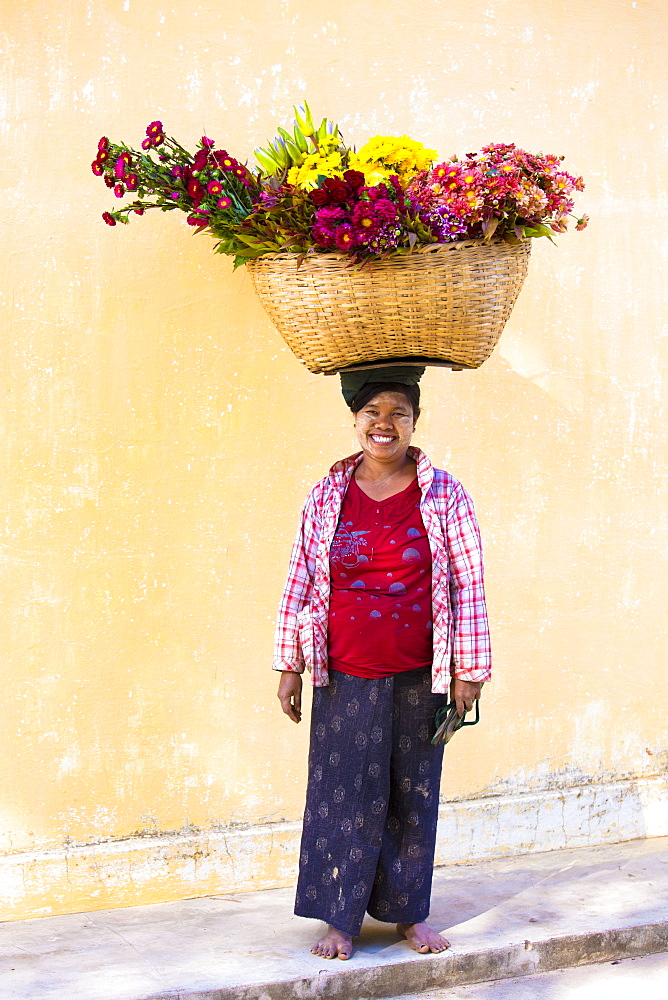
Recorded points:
(298, 589)
(472, 657)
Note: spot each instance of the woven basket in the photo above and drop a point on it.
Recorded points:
(445, 304)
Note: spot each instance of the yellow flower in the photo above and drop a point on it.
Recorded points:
(384, 155)
(316, 165)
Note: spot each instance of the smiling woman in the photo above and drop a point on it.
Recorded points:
(385, 606)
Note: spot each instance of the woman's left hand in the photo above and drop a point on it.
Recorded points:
(464, 693)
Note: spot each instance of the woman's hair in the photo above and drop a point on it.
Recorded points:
(371, 389)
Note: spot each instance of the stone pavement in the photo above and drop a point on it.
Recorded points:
(512, 917)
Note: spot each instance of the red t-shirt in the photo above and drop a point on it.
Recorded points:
(380, 599)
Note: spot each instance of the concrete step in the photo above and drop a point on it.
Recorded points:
(507, 918)
(615, 980)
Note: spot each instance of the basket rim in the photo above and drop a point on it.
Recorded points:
(422, 248)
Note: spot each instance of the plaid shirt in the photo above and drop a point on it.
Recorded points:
(459, 615)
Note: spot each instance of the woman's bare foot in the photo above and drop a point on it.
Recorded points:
(332, 944)
(423, 938)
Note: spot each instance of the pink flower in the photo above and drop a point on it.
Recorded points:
(96, 167)
(119, 190)
(174, 195)
(146, 144)
(154, 130)
(207, 143)
(224, 203)
(132, 182)
(582, 223)
(175, 171)
(214, 187)
(109, 219)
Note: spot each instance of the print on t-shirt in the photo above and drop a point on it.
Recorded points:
(380, 600)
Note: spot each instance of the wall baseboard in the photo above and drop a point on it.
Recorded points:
(220, 862)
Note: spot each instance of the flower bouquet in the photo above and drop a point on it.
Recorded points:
(360, 255)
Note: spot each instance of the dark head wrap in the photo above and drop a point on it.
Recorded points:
(352, 382)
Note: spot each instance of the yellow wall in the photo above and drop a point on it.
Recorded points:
(158, 438)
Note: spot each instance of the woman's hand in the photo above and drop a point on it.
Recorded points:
(290, 694)
(464, 693)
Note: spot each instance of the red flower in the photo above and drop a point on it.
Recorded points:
(337, 190)
(96, 167)
(214, 187)
(146, 144)
(119, 190)
(224, 202)
(109, 219)
(139, 208)
(132, 182)
(108, 180)
(319, 197)
(355, 178)
(201, 159)
(196, 191)
(154, 130)
(103, 154)
(103, 143)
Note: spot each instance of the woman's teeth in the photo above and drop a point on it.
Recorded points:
(381, 438)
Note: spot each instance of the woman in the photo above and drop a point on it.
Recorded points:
(385, 605)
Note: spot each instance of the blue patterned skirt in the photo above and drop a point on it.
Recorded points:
(372, 801)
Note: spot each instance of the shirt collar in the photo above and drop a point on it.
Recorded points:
(342, 471)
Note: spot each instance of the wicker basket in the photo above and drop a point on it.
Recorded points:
(442, 304)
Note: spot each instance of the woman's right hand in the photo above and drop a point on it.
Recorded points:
(290, 694)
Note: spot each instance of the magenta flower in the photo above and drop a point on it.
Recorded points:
(325, 236)
(154, 130)
(109, 181)
(174, 195)
(103, 154)
(214, 187)
(132, 182)
(197, 220)
(345, 237)
(175, 171)
(224, 202)
(119, 190)
(207, 143)
(146, 144)
(97, 169)
(109, 219)
(365, 220)
(120, 167)
(103, 143)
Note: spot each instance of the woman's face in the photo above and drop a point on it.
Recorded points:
(384, 426)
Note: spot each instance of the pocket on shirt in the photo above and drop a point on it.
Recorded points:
(306, 640)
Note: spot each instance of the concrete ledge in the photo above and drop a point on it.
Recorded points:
(505, 918)
(170, 867)
(450, 970)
